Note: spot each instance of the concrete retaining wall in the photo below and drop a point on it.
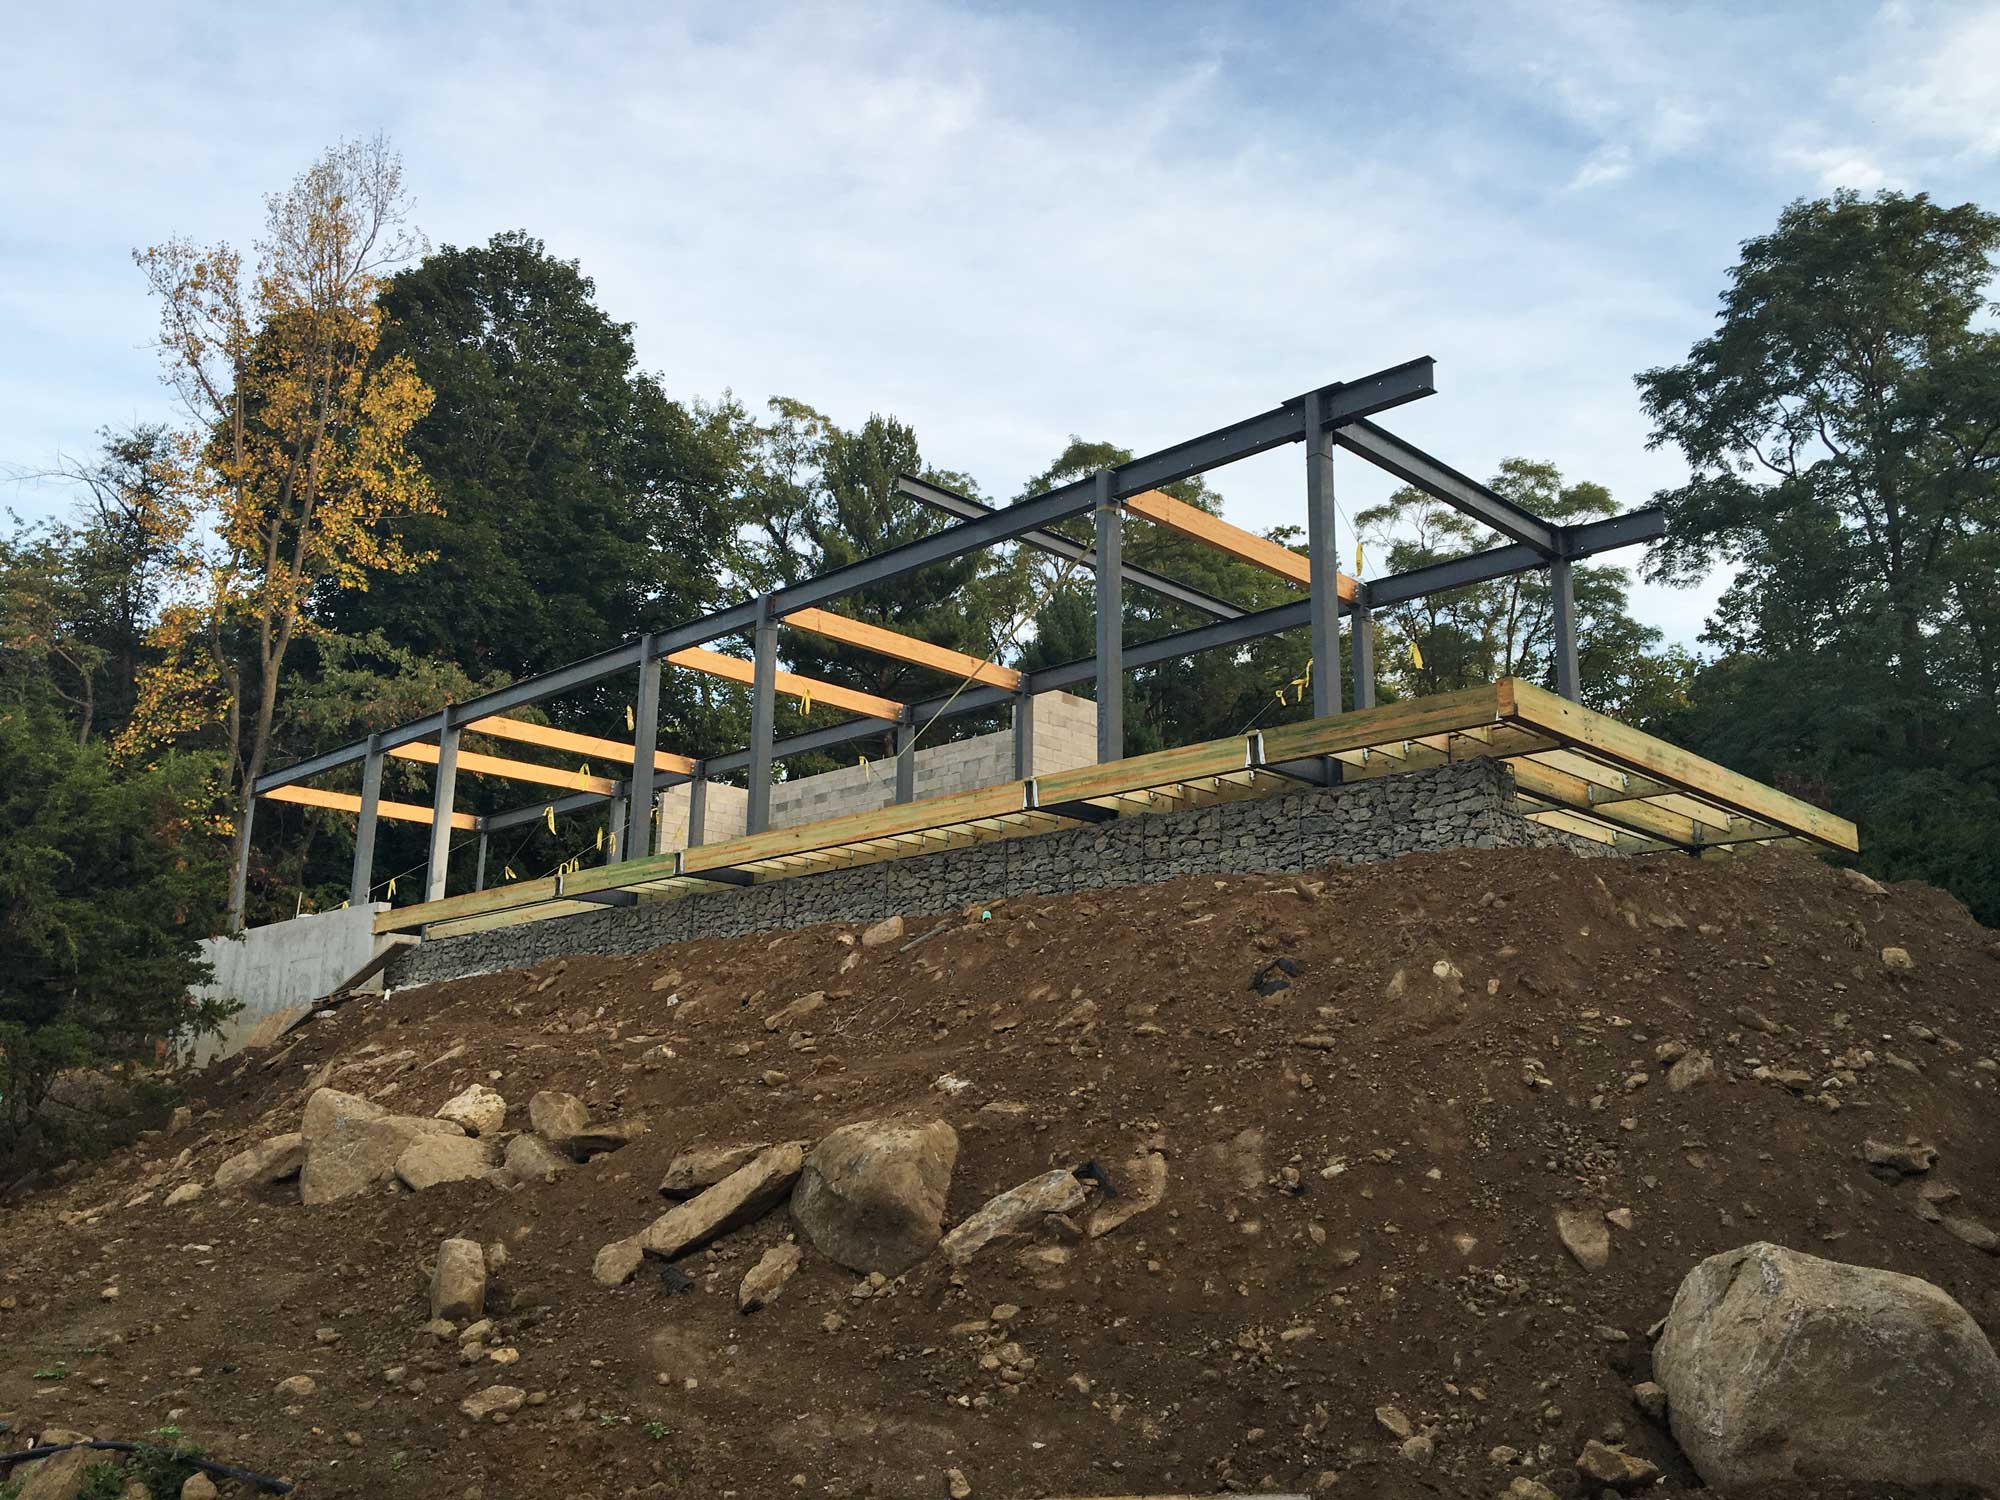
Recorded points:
(277, 971)
(1464, 806)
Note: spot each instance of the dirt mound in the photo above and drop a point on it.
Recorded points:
(1375, 1091)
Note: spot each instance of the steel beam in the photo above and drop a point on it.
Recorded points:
(1414, 466)
(763, 715)
(444, 793)
(1562, 587)
(362, 883)
(517, 816)
(698, 805)
(1322, 558)
(1058, 545)
(479, 871)
(906, 759)
(1361, 633)
(1024, 733)
(645, 741)
(1110, 606)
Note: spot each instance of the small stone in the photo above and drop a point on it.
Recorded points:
(765, 1281)
(1419, 1449)
(477, 1111)
(1619, 1218)
(1608, 1466)
(1691, 1069)
(1897, 958)
(1394, 1422)
(1583, 1234)
(618, 1262)
(1754, 1020)
(1527, 1489)
(296, 1387)
(187, 1192)
(1651, 1398)
(494, 1403)
(885, 931)
(1891, 1161)
(458, 1284)
(198, 1487)
(957, 1485)
(532, 1159)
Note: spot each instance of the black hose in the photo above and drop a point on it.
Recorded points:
(208, 1466)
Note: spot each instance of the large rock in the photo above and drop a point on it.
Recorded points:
(1019, 1210)
(352, 1145)
(698, 1167)
(432, 1160)
(458, 1285)
(872, 1193)
(763, 1282)
(477, 1111)
(266, 1162)
(531, 1159)
(1780, 1366)
(61, 1477)
(557, 1116)
(743, 1197)
(605, 1135)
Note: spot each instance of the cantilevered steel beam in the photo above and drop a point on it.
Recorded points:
(1055, 543)
(1410, 463)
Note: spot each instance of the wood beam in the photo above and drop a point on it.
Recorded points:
(832, 694)
(900, 647)
(1260, 552)
(402, 812)
(512, 770)
(581, 744)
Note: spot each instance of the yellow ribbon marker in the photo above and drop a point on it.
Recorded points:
(630, 722)
(507, 872)
(583, 774)
(806, 702)
(549, 817)
(1416, 657)
(1357, 558)
(392, 887)
(600, 839)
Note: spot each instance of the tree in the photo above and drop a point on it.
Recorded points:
(1842, 429)
(103, 895)
(292, 478)
(1506, 628)
(584, 504)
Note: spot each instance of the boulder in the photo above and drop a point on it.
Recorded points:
(1780, 1366)
(743, 1197)
(1583, 1234)
(199, 1487)
(187, 1192)
(606, 1135)
(556, 1116)
(266, 1162)
(431, 1160)
(797, 1011)
(60, 1477)
(495, 1403)
(351, 1149)
(764, 1281)
(477, 1111)
(698, 1167)
(1889, 1161)
(872, 1194)
(885, 931)
(1019, 1210)
(1142, 1187)
(458, 1285)
(530, 1159)
(1693, 1068)
(618, 1262)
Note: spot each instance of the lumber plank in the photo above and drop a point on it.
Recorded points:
(511, 770)
(1389, 725)
(471, 904)
(1637, 751)
(832, 694)
(402, 812)
(1260, 552)
(501, 728)
(1135, 773)
(1573, 792)
(901, 647)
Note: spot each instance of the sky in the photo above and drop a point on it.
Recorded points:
(1011, 224)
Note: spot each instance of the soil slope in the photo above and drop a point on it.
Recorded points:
(1364, 1173)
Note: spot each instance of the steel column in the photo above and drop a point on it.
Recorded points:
(363, 881)
(1323, 549)
(763, 715)
(1562, 586)
(614, 829)
(906, 758)
(1110, 625)
(1024, 734)
(1361, 628)
(443, 795)
(697, 804)
(645, 741)
(479, 870)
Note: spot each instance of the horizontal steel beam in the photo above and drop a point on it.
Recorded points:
(965, 507)
(1344, 402)
(1414, 466)
(1503, 562)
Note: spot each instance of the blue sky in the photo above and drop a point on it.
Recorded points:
(1007, 225)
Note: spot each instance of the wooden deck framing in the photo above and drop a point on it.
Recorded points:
(1574, 769)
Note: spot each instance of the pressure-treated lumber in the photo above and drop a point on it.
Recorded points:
(1625, 746)
(580, 744)
(1261, 552)
(512, 770)
(738, 669)
(402, 812)
(893, 643)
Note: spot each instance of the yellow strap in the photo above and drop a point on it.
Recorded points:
(583, 774)
(507, 872)
(630, 722)
(1357, 558)
(600, 838)
(549, 817)
(806, 702)
(392, 887)
(1416, 657)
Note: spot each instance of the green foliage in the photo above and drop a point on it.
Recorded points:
(103, 896)
(1841, 430)
(162, 1470)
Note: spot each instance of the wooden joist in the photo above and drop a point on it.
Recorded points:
(832, 694)
(476, 764)
(580, 744)
(402, 812)
(901, 647)
(1260, 552)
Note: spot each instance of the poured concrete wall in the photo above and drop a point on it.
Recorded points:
(1065, 737)
(277, 971)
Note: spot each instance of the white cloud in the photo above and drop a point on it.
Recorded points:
(1604, 166)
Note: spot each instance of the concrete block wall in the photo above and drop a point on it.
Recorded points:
(1470, 805)
(1065, 737)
